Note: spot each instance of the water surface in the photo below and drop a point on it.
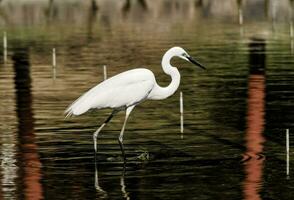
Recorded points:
(235, 112)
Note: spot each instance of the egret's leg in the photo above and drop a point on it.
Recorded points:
(120, 138)
(95, 135)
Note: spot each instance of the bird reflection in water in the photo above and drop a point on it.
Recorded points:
(123, 185)
(102, 193)
(253, 157)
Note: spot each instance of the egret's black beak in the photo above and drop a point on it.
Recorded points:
(195, 62)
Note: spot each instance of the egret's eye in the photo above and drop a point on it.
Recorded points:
(184, 54)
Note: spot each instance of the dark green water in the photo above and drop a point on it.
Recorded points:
(235, 113)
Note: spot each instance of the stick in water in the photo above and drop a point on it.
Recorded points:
(105, 72)
(54, 63)
(287, 150)
(53, 57)
(291, 30)
(182, 111)
(4, 47)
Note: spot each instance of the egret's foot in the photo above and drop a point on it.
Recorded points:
(144, 156)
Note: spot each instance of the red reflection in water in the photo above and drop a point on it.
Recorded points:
(1, 189)
(30, 165)
(254, 138)
(31, 169)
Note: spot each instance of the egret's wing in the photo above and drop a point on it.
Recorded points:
(123, 95)
(124, 89)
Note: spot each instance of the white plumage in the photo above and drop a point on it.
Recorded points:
(125, 90)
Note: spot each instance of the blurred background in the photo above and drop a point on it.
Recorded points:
(235, 113)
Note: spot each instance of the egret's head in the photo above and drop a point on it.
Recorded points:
(181, 53)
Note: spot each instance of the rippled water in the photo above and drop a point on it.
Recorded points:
(235, 113)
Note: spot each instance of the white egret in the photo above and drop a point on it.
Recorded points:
(127, 89)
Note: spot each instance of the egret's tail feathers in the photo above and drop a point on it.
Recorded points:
(78, 107)
(68, 112)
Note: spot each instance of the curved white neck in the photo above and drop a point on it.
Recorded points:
(163, 92)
